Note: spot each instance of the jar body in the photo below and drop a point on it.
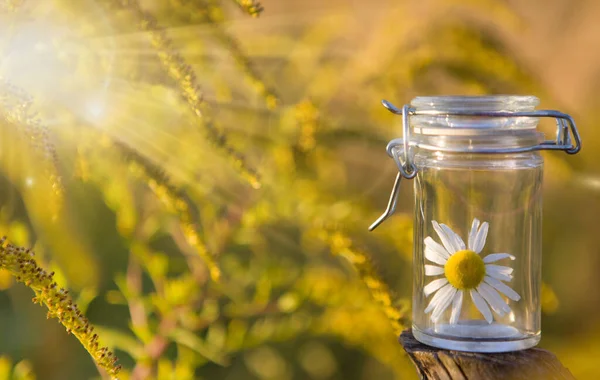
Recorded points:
(477, 250)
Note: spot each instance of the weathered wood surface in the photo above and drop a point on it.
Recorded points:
(437, 363)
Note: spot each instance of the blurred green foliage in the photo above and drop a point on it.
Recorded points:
(204, 189)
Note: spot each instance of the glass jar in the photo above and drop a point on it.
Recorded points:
(478, 204)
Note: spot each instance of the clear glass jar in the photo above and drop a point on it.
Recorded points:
(477, 230)
(478, 205)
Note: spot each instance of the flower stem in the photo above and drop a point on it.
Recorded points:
(21, 264)
(341, 245)
(182, 73)
(174, 198)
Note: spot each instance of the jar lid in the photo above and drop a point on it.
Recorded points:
(437, 115)
(468, 116)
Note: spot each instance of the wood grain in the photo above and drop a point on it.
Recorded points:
(437, 363)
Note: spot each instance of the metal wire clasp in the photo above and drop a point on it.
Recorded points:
(400, 149)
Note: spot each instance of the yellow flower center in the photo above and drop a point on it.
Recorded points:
(465, 270)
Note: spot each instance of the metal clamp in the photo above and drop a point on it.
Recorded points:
(400, 149)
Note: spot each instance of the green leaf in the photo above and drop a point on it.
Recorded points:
(121, 341)
(190, 340)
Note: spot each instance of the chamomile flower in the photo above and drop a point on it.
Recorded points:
(466, 272)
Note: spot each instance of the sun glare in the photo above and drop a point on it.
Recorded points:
(49, 55)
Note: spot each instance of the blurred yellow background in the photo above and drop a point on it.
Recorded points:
(202, 180)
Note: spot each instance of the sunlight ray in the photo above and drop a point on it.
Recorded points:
(183, 74)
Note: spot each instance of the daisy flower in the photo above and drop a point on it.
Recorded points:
(465, 271)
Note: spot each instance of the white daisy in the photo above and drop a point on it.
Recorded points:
(466, 272)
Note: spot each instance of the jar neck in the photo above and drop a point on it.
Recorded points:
(464, 143)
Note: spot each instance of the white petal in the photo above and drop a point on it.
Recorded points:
(456, 240)
(497, 256)
(499, 268)
(446, 240)
(443, 304)
(437, 298)
(434, 245)
(480, 238)
(482, 306)
(434, 256)
(456, 307)
(473, 233)
(502, 288)
(433, 270)
(492, 272)
(493, 298)
(434, 285)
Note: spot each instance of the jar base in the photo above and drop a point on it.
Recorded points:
(475, 337)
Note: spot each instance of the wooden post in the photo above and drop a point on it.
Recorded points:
(437, 363)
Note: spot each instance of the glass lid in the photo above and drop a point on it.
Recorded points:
(445, 124)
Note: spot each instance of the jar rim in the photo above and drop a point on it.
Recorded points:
(509, 103)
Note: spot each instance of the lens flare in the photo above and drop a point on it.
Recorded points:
(56, 58)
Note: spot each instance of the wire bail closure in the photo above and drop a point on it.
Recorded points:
(400, 149)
